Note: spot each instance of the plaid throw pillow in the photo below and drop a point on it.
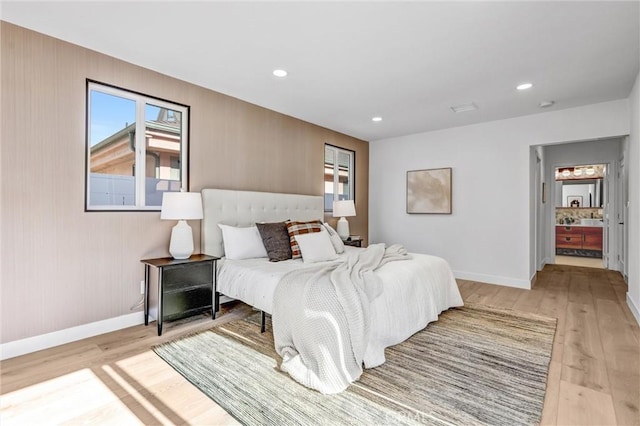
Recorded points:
(299, 228)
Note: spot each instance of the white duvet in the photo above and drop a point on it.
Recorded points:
(414, 293)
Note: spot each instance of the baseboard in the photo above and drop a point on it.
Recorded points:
(546, 261)
(493, 279)
(56, 338)
(633, 308)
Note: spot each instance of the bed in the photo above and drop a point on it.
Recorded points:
(414, 292)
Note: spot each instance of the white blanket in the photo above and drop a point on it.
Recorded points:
(321, 318)
(414, 293)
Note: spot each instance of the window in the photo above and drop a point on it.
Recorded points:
(338, 175)
(136, 149)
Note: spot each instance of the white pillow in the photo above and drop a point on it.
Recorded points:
(242, 243)
(335, 238)
(316, 247)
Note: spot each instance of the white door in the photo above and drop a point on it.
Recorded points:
(621, 219)
(539, 235)
(606, 216)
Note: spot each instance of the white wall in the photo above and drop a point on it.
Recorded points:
(633, 167)
(490, 236)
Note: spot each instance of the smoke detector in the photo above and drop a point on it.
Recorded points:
(464, 107)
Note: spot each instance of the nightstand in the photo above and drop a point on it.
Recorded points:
(353, 241)
(185, 287)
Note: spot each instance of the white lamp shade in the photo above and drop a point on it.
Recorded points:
(344, 208)
(181, 206)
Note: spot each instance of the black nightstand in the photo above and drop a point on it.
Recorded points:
(355, 242)
(185, 287)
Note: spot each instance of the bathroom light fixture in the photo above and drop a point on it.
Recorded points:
(577, 172)
(590, 171)
(280, 73)
(376, 119)
(566, 173)
(524, 86)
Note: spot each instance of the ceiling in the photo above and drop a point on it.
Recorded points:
(407, 62)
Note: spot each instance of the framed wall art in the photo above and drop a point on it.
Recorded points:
(574, 201)
(429, 191)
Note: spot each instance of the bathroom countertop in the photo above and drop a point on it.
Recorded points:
(577, 224)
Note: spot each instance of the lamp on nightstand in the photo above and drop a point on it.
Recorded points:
(343, 209)
(181, 206)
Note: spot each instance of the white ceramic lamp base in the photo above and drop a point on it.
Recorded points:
(343, 228)
(181, 245)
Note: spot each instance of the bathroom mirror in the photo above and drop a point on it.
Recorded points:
(579, 193)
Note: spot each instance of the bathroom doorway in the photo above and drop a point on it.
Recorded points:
(574, 159)
(580, 215)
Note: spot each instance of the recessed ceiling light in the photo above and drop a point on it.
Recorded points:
(376, 119)
(524, 86)
(464, 107)
(546, 104)
(280, 73)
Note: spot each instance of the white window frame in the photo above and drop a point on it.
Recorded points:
(336, 171)
(141, 101)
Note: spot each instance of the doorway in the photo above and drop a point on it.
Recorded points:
(580, 204)
(569, 158)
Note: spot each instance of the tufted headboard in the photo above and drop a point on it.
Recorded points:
(245, 208)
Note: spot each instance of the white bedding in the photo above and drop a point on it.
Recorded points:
(414, 293)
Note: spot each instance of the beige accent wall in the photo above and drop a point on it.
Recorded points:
(63, 267)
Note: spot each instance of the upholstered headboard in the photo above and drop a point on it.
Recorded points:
(245, 208)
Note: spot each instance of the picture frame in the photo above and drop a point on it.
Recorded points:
(429, 191)
(574, 201)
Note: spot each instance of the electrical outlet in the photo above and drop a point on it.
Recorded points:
(142, 287)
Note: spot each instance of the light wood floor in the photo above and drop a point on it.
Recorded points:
(589, 262)
(594, 376)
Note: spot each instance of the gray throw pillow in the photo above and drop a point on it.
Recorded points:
(275, 238)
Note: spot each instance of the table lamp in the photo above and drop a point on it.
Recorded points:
(343, 209)
(181, 206)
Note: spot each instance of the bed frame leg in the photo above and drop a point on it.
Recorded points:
(263, 318)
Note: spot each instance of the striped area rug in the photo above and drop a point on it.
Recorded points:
(474, 366)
